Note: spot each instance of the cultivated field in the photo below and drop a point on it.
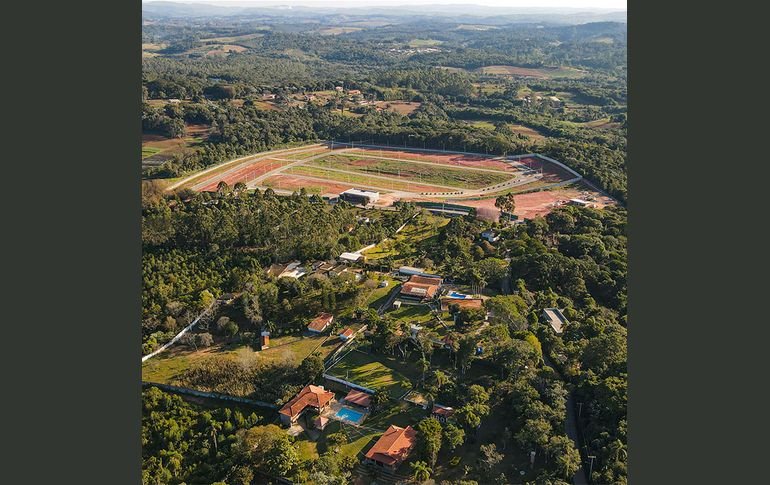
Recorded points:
(539, 73)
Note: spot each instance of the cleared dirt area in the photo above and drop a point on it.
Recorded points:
(158, 148)
(534, 204)
(552, 173)
(400, 107)
(527, 131)
(293, 182)
(243, 174)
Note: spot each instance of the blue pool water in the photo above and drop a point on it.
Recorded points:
(454, 294)
(349, 414)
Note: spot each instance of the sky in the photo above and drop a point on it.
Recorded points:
(613, 4)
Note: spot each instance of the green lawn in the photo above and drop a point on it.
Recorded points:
(374, 372)
(417, 230)
(415, 172)
(149, 151)
(419, 314)
(378, 296)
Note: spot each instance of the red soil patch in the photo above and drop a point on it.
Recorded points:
(243, 174)
(534, 204)
(289, 182)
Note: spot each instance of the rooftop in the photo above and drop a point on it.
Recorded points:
(320, 322)
(315, 396)
(358, 397)
(393, 446)
(556, 319)
(366, 193)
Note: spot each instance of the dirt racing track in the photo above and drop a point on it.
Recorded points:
(400, 174)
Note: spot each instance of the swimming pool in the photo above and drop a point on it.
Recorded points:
(349, 414)
(454, 294)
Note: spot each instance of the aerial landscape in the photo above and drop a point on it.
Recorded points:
(383, 244)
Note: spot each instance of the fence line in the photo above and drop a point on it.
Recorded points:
(212, 395)
(180, 334)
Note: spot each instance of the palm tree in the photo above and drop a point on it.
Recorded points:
(420, 471)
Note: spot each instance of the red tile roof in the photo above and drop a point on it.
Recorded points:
(320, 322)
(393, 446)
(416, 289)
(315, 396)
(347, 333)
(357, 397)
(425, 280)
(443, 410)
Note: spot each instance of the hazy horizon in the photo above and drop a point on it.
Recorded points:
(530, 4)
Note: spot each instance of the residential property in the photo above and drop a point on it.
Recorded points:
(293, 270)
(420, 288)
(351, 257)
(490, 236)
(359, 398)
(310, 397)
(393, 447)
(442, 413)
(347, 334)
(320, 323)
(555, 319)
(446, 302)
(411, 271)
(360, 196)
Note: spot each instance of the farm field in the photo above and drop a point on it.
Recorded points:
(167, 366)
(400, 107)
(372, 371)
(156, 148)
(526, 131)
(460, 178)
(539, 73)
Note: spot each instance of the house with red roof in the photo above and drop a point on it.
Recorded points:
(310, 397)
(347, 334)
(393, 447)
(320, 323)
(442, 413)
(420, 288)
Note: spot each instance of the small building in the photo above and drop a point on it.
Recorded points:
(320, 422)
(420, 288)
(359, 398)
(555, 319)
(320, 323)
(442, 413)
(490, 236)
(310, 397)
(338, 88)
(383, 284)
(393, 447)
(397, 304)
(351, 257)
(276, 269)
(412, 271)
(347, 334)
(579, 202)
(360, 196)
(264, 340)
(555, 102)
(268, 96)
